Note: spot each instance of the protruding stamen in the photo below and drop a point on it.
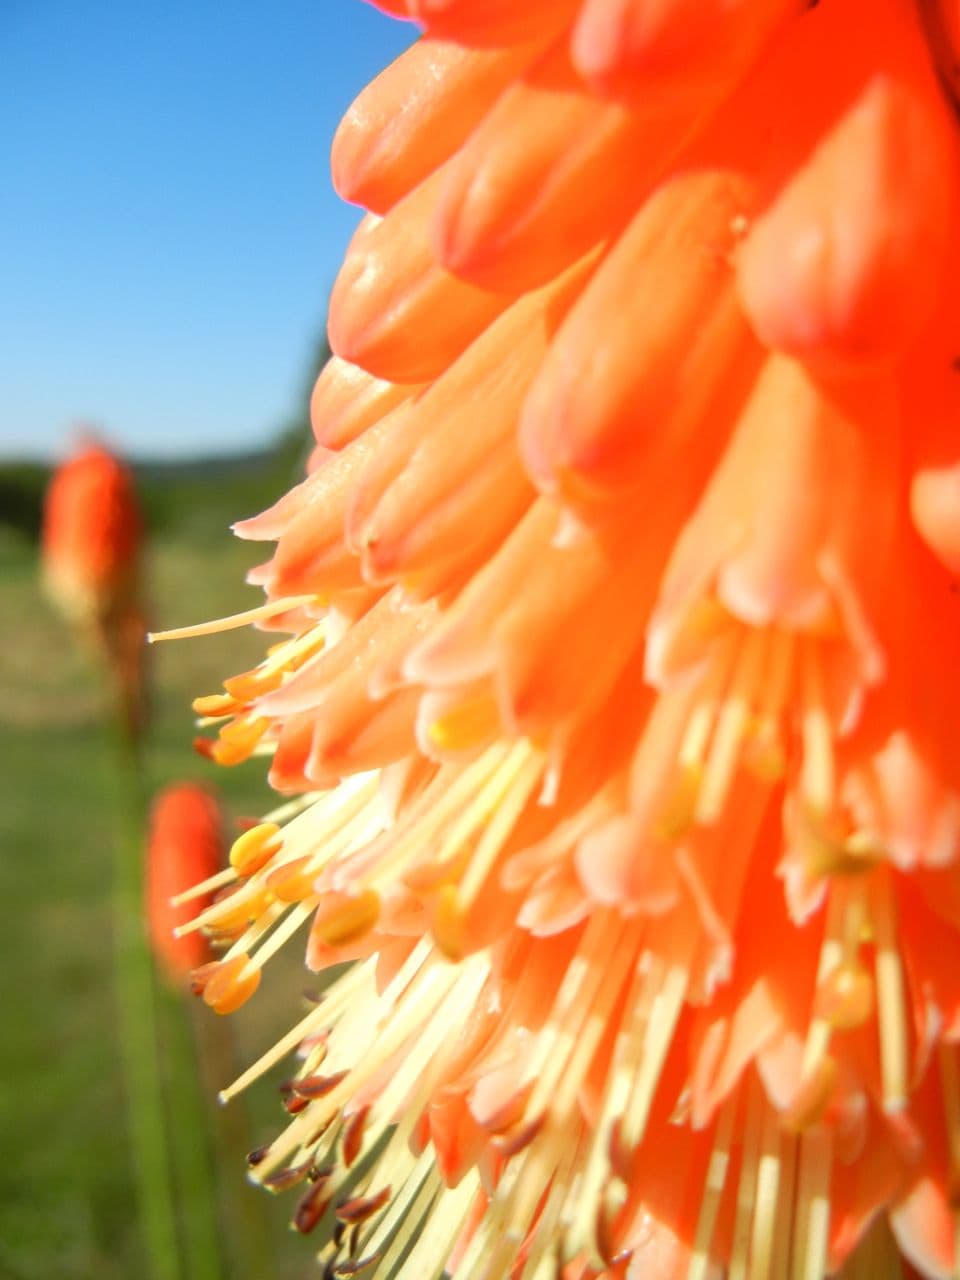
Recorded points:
(327, 1012)
(891, 997)
(714, 1187)
(731, 728)
(747, 1186)
(661, 1024)
(818, 781)
(766, 1200)
(219, 881)
(766, 754)
(784, 1224)
(700, 725)
(232, 621)
(812, 1220)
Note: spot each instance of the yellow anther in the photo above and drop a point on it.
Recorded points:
(231, 984)
(255, 848)
(292, 881)
(253, 684)
(677, 814)
(467, 725)
(238, 739)
(447, 923)
(214, 705)
(845, 998)
(343, 918)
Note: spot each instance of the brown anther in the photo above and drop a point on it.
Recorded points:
(257, 1155)
(603, 1233)
(317, 1086)
(284, 1179)
(201, 976)
(356, 1266)
(353, 1135)
(311, 1207)
(621, 1156)
(509, 1144)
(360, 1208)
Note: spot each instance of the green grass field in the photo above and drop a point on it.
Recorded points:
(66, 1201)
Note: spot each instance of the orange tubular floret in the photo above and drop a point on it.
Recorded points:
(394, 311)
(549, 173)
(859, 237)
(346, 400)
(651, 51)
(618, 713)
(413, 500)
(623, 382)
(415, 115)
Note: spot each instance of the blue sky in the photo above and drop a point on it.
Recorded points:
(168, 232)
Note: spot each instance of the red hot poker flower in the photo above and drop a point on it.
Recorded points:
(621, 693)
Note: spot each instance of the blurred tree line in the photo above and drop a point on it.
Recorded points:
(202, 495)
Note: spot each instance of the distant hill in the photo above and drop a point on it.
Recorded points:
(198, 493)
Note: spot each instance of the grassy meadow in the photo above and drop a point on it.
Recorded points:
(67, 1205)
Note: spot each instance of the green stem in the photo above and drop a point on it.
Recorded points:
(244, 1206)
(191, 1146)
(136, 998)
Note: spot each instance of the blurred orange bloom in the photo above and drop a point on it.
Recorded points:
(91, 543)
(185, 847)
(92, 532)
(621, 690)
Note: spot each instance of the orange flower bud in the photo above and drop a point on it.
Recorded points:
(185, 848)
